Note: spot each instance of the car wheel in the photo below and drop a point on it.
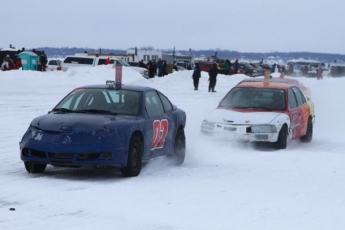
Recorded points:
(309, 134)
(179, 148)
(134, 160)
(34, 168)
(282, 139)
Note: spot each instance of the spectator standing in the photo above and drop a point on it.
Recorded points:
(43, 60)
(273, 68)
(142, 64)
(18, 62)
(213, 72)
(196, 76)
(236, 66)
(7, 63)
(319, 73)
(174, 67)
(164, 68)
(151, 65)
(227, 67)
(159, 67)
(306, 70)
(4, 65)
(189, 67)
(282, 73)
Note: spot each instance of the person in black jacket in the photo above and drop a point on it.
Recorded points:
(196, 76)
(44, 61)
(151, 66)
(213, 72)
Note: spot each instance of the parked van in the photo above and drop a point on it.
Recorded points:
(85, 60)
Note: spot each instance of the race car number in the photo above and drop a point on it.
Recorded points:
(160, 131)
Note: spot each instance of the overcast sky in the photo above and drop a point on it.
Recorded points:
(244, 26)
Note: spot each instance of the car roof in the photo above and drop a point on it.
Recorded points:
(123, 86)
(291, 81)
(261, 84)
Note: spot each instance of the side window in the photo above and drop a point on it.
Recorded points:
(299, 96)
(292, 99)
(101, 61)
(166, 103)
(79, 60)
(153, 104)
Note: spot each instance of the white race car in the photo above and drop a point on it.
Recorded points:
(261, 112)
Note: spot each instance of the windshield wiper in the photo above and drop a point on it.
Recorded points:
(64, 110)
(94, 111)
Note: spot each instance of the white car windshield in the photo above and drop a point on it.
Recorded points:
(257, 98)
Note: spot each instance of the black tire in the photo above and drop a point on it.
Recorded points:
(282, 139)
(134, 161)
(179, 148)
(34, 167)
(309, 134)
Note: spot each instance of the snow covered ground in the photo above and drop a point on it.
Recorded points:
(220, 186)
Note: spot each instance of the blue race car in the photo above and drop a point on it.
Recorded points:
(101, 125)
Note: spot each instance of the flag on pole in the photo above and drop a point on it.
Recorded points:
(118, 75)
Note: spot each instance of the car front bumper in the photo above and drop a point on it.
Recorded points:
(74, 155)
(240, 133)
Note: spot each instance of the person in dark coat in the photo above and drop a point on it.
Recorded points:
(213, 72)
(236, 66)
(7, 63)
(227, 67)
(142, 64)
(159, 67)
(164, 68)
(175, 67)
(44, 61)
(152, 68)
(196, 76)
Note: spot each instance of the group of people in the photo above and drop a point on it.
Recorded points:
(213, 72)
(229, 67)
(160, 68)
(9, 64)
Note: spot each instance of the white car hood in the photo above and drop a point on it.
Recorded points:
(234, 117)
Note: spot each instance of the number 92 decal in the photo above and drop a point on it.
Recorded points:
(160, 131)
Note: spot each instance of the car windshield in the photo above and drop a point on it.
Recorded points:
(254, 98)
(102, 101)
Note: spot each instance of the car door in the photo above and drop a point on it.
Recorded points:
(294, 113)
(304, 112)
(159, 127)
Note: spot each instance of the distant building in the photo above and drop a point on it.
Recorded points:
(126, 57)
(150, 54)
(146, 55)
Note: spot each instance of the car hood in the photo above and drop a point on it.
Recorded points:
(235, 117)
(66, 122)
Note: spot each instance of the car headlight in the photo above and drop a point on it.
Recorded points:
(206, 125)
(264, 129)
